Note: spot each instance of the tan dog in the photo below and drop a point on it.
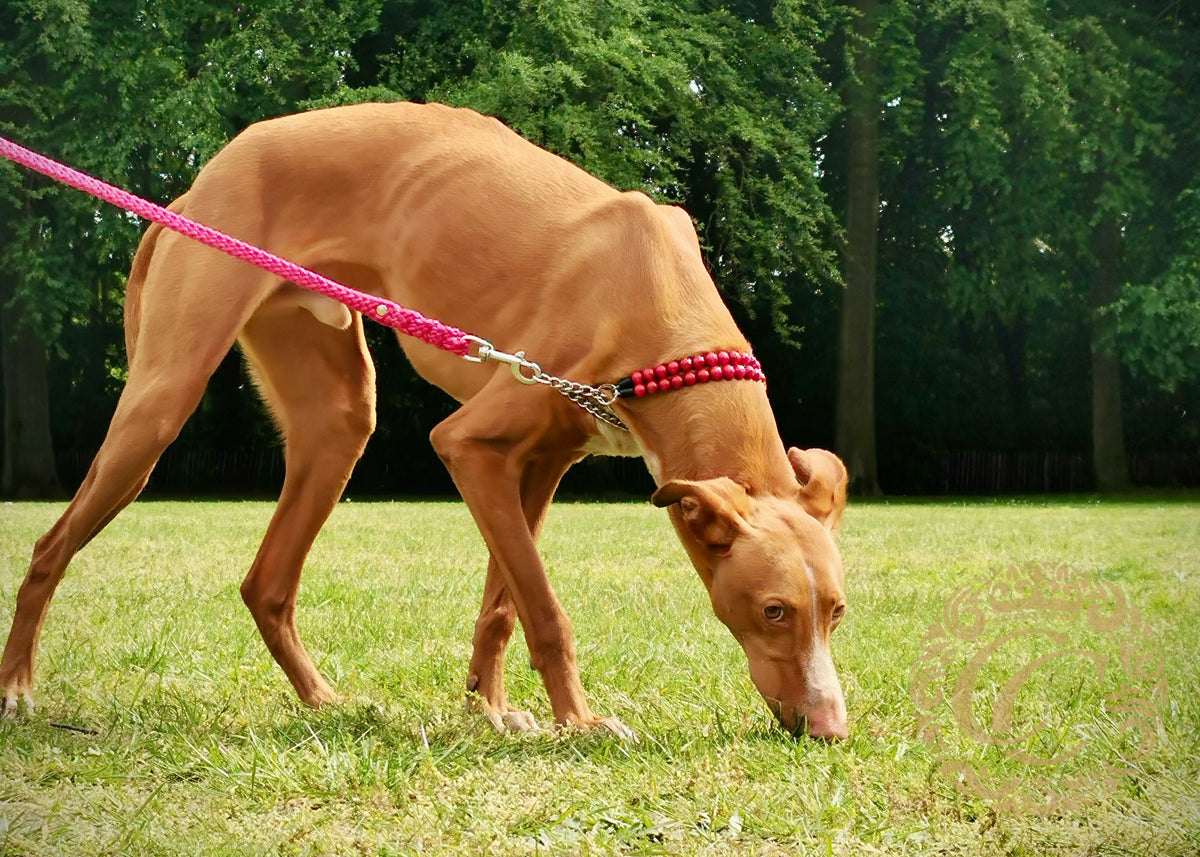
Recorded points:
(455, 216)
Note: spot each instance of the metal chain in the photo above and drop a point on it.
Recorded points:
(597, 401)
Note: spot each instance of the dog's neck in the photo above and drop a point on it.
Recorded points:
(719, 429)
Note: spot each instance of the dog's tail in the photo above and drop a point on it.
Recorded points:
(137, 281)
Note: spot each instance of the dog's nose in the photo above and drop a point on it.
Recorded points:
(828, 726)
(831, 729)
(825, 721)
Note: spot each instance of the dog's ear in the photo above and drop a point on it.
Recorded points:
(714, 510)
(823, 480)
(802, 464)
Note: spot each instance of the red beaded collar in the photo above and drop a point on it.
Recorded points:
(689, 371)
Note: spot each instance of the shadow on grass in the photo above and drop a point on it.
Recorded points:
(456, 741)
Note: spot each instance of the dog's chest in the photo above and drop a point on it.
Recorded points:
(613, 441)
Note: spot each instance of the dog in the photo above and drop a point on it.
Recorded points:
(452, 214)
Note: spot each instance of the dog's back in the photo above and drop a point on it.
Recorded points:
(452, 214)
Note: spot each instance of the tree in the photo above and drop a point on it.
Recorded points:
(27, 320)
(1152, 319)
(1036, 205)
(141, 96)
(713, 106)
(1042, 135)
(856, 342)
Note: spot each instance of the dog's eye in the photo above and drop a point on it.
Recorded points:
(838, 612)
(773, 612)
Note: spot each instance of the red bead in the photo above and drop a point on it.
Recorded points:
(702, 376)
(711, 358)
(636, 377)
(689, 378)
(723, 356)
(739, 372)
(722, 373)
(673, 367)
(698, 361)
(676, 382)
(639, 390)
(686, 364)
(652, 387)
(660, 371)
(648, 374)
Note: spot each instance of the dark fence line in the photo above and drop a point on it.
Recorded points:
(194, 470)
(259, 471)
(981, 472)
(1165, 469)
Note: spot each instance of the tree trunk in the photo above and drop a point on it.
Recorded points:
(29, 472)
(1108, 431)
(856, 344)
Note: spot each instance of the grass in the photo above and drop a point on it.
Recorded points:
(164, 727)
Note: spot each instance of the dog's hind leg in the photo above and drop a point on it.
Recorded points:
(319, 382)
(184, 332)
(498, 616)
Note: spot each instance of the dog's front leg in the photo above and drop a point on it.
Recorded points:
(485, 677)
(498, 616)
(487, 445)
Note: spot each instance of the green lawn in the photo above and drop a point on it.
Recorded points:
(163, 726)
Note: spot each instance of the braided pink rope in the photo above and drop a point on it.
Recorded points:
(382, 310)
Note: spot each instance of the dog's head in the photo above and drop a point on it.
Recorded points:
(775, 580)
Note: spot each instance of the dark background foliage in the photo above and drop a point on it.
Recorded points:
(1037, 236)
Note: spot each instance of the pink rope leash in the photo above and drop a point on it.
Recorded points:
(385, 312)
(718, 366)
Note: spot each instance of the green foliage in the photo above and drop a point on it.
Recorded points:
(1157, 329)
(692, 104)
(1009, 130)
(140, 95)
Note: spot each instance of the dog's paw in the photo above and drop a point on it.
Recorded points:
(518, 721)
(511, 720)
(507, 720)
(317, 693)
(617, 728)
(15, 702)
